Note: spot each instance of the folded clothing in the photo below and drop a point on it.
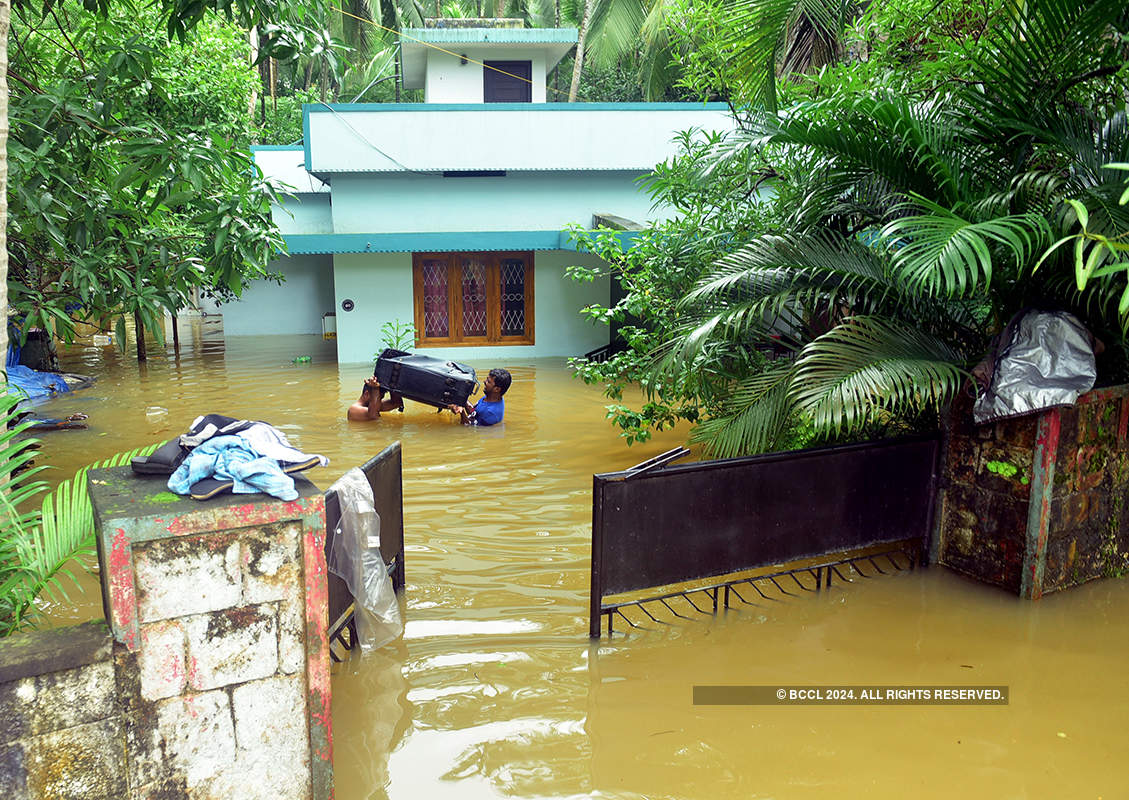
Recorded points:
(230, 458)
(221, 453)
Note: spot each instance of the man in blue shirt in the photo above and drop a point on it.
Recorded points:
(490, 409)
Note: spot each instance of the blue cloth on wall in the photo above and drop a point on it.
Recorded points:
(231, 458)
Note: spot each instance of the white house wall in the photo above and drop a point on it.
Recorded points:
(295, 306)
(450, 81)
(380, 286)
(388, 203)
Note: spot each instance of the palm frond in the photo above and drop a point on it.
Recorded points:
(657, 70)
(753, 418)
(613, 30)
(37, 546)
(945, 254)
(767, 283)
(1030, 59)
(760, 36)
(868, 368)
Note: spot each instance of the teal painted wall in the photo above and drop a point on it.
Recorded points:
(304, 213)
(295, 306)
(380, 285)
(386, 203)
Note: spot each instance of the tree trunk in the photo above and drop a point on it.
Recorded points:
(557, 68)
(578, 64)
(253, 40)
(139, 329)
(5, 19)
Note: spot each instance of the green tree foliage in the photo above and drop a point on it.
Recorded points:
(655, 272)
(916, 186)
(130, 180)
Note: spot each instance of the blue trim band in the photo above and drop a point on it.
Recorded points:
(297, 148)
(428, 242)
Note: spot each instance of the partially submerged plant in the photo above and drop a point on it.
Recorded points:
(397, 335)
(37, 545)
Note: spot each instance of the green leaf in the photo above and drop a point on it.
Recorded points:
(1080, 212)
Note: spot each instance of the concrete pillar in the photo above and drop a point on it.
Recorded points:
(223, 603)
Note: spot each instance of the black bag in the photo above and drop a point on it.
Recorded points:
(425, 379)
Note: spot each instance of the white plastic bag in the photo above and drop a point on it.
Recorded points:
(355, 558)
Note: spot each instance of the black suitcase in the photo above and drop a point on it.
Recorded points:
(425, 379)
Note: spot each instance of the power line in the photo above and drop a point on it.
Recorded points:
(460, 56)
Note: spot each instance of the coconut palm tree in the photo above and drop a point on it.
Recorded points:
(915, 231)
(769, 37)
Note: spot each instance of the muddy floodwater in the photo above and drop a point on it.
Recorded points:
(495, 690)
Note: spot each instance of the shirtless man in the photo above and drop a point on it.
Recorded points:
(372, 402)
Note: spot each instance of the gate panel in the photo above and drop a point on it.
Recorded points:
(712, 518)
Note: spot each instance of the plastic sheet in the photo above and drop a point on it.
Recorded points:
(1041, 360)
(355, 558)
(27, 382)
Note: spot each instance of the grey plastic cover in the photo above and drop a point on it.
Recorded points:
(1044, 359)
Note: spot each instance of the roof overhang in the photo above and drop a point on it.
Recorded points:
(433, 137)
(284, 168)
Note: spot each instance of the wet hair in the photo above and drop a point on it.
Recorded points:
(501, 378)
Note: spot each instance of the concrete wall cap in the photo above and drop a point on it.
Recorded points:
(25, 655)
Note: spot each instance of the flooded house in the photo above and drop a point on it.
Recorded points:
(453, 214)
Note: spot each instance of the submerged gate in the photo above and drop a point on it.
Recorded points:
(658, 524)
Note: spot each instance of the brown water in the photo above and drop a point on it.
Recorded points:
(495, 690)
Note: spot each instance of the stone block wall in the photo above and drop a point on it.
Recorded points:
(61, 726)
(212, 680)
(1036, 504)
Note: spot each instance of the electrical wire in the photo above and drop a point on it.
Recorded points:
(460, 56)
(368, 141)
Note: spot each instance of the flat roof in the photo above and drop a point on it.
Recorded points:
(284, 167)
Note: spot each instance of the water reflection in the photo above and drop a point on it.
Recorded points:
(495, 690)
(386, 717)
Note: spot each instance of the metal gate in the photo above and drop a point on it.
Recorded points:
(658, 524)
